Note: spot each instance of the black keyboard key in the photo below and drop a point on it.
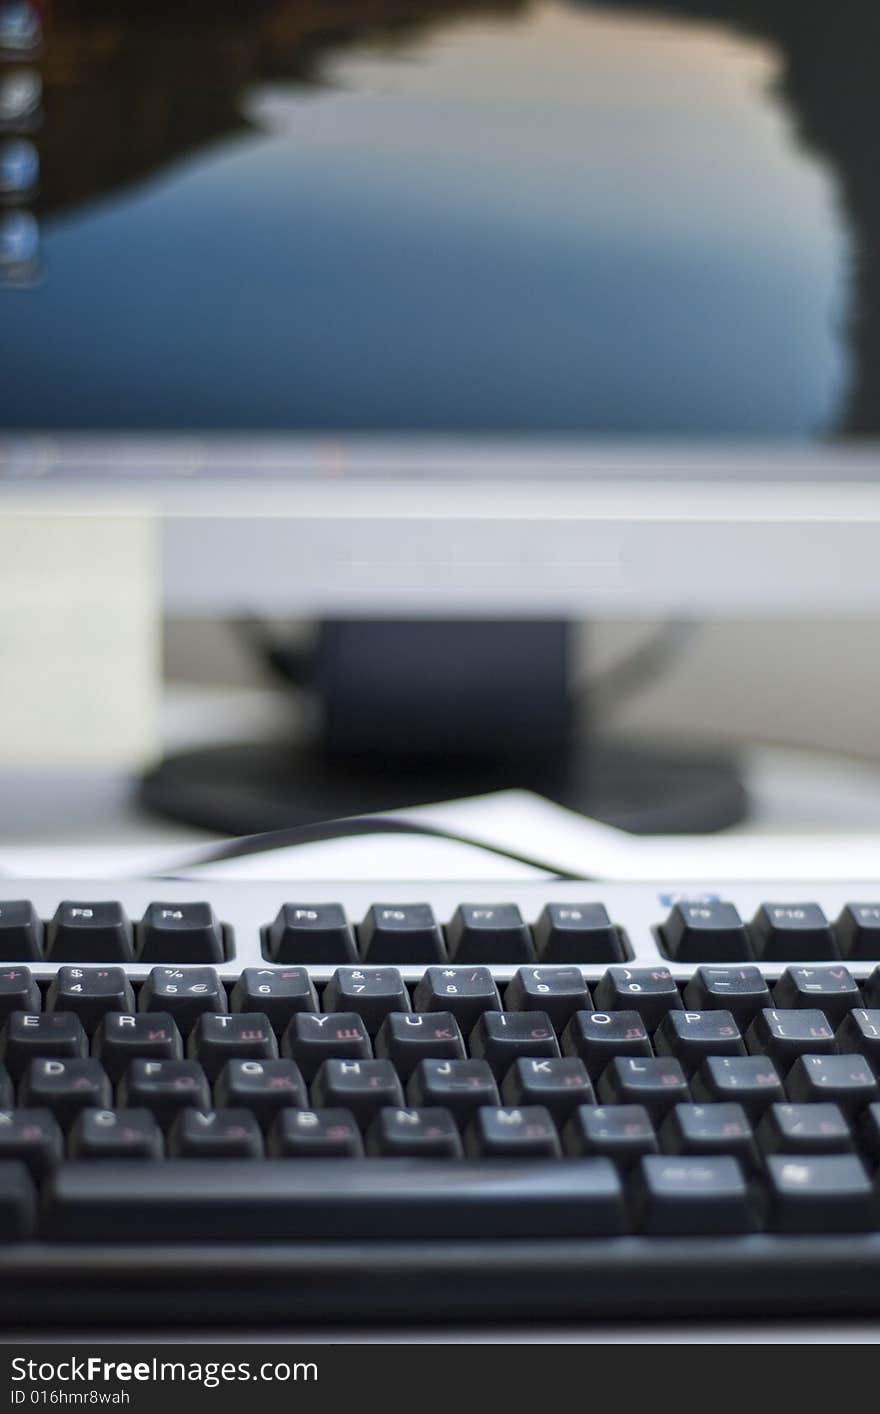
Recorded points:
(372, 992)
(559, 1085)
(489, 932)
(805, 1129)
(501, 1037)
(402, 1134)
(34, 1137)
(216, 1039)
(706, 932)
(90, 932)
(21, 932)
(582, 932)
(401, 932)
(858, 932)
(740, 990)
(465, 991)
(828, 989)
(7, 1089)
(523, 1132)
(310, 1040)
(871, 989)
(391, 1198)
(18, 1207)
(622, 1133)
(460, 1086)
(691, 1036)
(558, 991)
(869, 1133)
(116, 1134)
(180, 932)
(689, 1195)
(785, 1035)
(363, 1087)
(262, 1086)
(27, 1035)
(819, 1193)
(656, 1083)
(859, 1034)
(315, 1134)
(18, 992)
(215, 1134)
(311, 932)
(277, 992)
(163, 1087)
(65, 1087)
(122, 1036)
(405, 1038)
(90, 992)
(750, 1081)
(710, 1129)
(793, 932)
(651, 991)
(184, 992)
(597, 1037)
(847, 1081)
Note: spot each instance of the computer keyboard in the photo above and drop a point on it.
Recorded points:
(254, 1101)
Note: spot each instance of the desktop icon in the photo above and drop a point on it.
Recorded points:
(19, 169)
(21, 96)
(20, 28)
(19, 247)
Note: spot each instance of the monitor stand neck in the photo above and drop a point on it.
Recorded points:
(416, 711)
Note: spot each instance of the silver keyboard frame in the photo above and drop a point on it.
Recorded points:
(249, 906)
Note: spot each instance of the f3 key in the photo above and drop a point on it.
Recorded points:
(90, 932)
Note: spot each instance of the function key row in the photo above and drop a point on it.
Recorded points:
(710, 931)
(477, 932)
(713, 931)
(409, 933)
(102, 932)
(319, 934)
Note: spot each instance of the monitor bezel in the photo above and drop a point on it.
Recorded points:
(427, 526)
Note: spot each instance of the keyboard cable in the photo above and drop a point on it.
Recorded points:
(347, 827)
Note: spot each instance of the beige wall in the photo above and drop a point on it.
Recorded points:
(809, 684)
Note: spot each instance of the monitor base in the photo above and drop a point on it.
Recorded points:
(249, 787)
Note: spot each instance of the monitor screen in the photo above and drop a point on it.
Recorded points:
(466, 218)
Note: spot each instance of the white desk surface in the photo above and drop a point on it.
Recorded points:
(812, 817)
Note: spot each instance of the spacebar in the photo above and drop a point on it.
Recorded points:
(243, 1201)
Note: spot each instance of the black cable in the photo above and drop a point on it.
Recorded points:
(645, 664)
(348, 826)
(292, 664)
